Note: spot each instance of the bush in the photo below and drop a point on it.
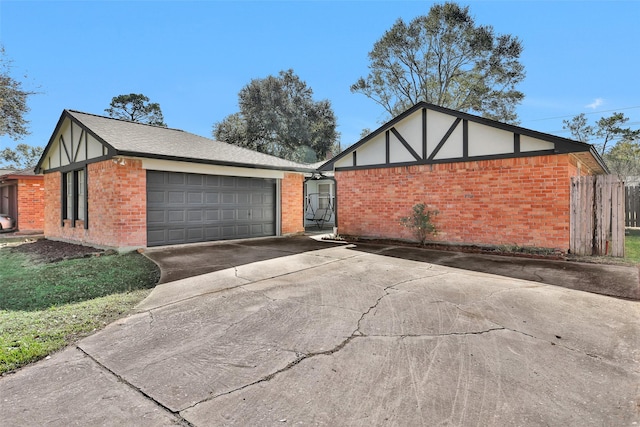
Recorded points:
(420, 222)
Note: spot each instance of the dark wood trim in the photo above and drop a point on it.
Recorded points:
(86, 197)
(355, 160)
(445, 138)
(77, 165)
(63, 198)
(465, 139)
(387, 147)
(456, 160)
(74, 211)
(73, 157)
(406, 144)
(424, 133)
(516, 143)
(66, 152)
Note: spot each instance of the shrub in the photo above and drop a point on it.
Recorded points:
(420, 222)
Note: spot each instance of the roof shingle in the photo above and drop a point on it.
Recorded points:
(131, 138)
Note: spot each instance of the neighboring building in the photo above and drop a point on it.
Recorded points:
(22, 197)
(492, 183)
(125, 185)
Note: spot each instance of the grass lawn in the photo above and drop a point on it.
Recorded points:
(46, 306)
(632, 245)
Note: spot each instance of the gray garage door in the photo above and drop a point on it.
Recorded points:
(187, 208)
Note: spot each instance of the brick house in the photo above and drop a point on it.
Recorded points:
(492, 183)
(22, 198)
(118, 184)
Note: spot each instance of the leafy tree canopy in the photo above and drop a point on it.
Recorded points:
(24, 156)
(136, 107)
(624, 158)
(444, 58)
(604, 133)
(278, 116)
(13, 102)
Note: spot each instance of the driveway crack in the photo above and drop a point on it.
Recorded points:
(182, 421)
(304, 356)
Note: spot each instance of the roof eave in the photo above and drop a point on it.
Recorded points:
(212, 162)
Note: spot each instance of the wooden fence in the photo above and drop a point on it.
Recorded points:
(632, 206)
(597, 215)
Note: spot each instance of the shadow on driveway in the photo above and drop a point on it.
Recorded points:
(611, 280)
(180, 262)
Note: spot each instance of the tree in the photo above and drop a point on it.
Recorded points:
(606, 130)
(278, 116)
(13, 102)
(136, 107)
(579, 128)
(444, 58)
(624, 158)
(24, 156)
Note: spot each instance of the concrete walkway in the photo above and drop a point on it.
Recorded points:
(345, 336)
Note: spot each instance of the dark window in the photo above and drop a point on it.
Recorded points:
(74, 196)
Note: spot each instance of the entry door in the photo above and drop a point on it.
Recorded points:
(187, 208)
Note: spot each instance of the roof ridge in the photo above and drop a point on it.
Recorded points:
(123, 120)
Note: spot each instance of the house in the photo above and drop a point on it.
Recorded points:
(22, 198)
(492, 183)
(118, 184)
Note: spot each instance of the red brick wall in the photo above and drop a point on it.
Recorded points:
(117, 200)
(291, 189)
(523, 201)
(31, 204)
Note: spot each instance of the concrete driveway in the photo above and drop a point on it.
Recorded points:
(339, 335)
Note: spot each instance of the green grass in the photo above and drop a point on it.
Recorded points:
(44, 307)
(632, 246)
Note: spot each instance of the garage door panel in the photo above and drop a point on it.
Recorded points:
(157, 235)
(229, 198)
(194, 198)
(175, 178)
(193, 179)
(155, 197)
(156, 217)
(175, 215)
(212, 214)
(244, 198)
(177, 197)
(212, 181)
(195, 234)
(243, 183)
(211, 198)
(195, 216)
(183, 208)
(175, 235)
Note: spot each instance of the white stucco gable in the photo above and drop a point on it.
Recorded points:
(428, 134)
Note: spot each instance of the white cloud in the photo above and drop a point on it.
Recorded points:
(595, 104)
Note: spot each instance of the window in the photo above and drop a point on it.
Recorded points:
(74, 197)
(324, 195)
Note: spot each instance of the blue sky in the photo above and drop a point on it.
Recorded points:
(194, 57)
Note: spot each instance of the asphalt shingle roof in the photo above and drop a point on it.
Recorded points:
(130, 138)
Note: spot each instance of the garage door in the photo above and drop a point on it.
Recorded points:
(187, 208)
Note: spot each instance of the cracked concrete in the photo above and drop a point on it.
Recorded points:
(337, 336)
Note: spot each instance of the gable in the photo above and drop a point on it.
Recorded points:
(72, 145)
(430, 134)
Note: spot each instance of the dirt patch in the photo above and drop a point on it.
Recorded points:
(53, 251)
